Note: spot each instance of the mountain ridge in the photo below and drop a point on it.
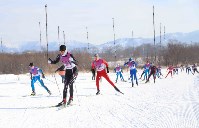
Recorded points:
(125, 42)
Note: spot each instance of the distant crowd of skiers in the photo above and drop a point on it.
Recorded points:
(149, 70)
(99, 68)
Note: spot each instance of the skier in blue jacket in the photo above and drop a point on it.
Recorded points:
(144, 73)
(35, 73)
(147, 69)
(133, 71)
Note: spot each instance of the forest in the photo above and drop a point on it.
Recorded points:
(173, 53)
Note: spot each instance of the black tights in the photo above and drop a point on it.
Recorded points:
(70, 77)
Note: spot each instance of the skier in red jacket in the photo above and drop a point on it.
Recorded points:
(153, 70)
(100, 66)
(170, 68)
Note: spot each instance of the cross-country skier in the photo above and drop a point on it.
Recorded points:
(93, 71)
(175, 70)
(159, 71)
(188, 69)
(133, 71)
(100, 65)
(35, 73)
(194, 68)
(61, 72)
(70, 72)
(170, 71)
(153, 70)
(118, 70)
(142, 73)
(145, 72)
(147, 68)
(182, 67)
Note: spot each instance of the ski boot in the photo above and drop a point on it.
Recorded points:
(70, 101)
(124, 80)
(132, 84)
(118, 90)
(137, 83)
(49, 92)
(98, 92)
(33, 93)
(63, 103)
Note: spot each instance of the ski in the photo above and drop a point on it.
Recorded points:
(39, 95)
(41, 107)
(63, 106)
(60, 107)
(52, 106)
(121, 92)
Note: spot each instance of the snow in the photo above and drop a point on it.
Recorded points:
(169, 103)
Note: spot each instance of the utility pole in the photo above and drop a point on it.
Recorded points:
(87, 38)
(114, 37)
(164, 33)
(1, 45)
(133, 43)
(58, 36)
(160, 48)
(40, 35)
(160, 36)
(154, 36)
(64, 38)
(160, 40)
(46, 30)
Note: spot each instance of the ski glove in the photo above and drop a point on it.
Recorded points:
(60, 68)
(31, 76)
(49, 61)
(107, 70)
(43, 76)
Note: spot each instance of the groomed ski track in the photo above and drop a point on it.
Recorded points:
(169, 103)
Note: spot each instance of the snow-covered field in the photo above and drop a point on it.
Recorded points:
(169, 103)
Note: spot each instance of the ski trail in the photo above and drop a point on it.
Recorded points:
(169, 103)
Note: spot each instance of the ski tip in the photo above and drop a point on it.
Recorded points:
(122, 93)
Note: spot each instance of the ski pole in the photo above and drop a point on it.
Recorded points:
(50, 81)
(57, 84)
(77, 94)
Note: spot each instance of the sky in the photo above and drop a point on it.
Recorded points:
(132, 18)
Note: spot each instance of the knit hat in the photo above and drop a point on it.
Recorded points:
(62, 48)
(96, 55)
(31, 64)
